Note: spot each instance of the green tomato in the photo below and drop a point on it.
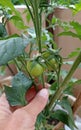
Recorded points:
(34, 68)
(51, 63)
(46, 54)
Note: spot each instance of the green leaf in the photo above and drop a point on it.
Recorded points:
(69, 33)
(28, 16)
(54, 86)
(8, 37)
(64, 117)
(77, 8)
(40, 118)
(61, 116)
(18, 22)
(73, 54)
(76, 26)
(7, 3)
(3, 31)
(11, 48)
(16, 94)
(75, 83)
(66, 105)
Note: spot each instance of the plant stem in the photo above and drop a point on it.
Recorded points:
(43, 83)
(29, 10)
(64, 83)
(58, 74)
(10, 69)
(37, 24)
(19, 69)
(36, 18)
(23, 63)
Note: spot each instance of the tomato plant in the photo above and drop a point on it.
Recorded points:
(30, 67)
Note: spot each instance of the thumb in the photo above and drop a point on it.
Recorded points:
(38, 103)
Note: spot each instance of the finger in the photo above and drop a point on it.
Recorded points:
(4, 107)
(38, 103)
(3, 101)
(47, 85)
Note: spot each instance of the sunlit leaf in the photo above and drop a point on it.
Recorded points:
(77, 8)
(76, 26)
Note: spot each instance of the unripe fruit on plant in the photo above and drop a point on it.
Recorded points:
(34, 68)
(51, 62)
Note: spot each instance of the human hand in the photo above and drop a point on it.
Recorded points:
(23, 118)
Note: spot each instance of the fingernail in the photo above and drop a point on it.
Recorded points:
(43, 93)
